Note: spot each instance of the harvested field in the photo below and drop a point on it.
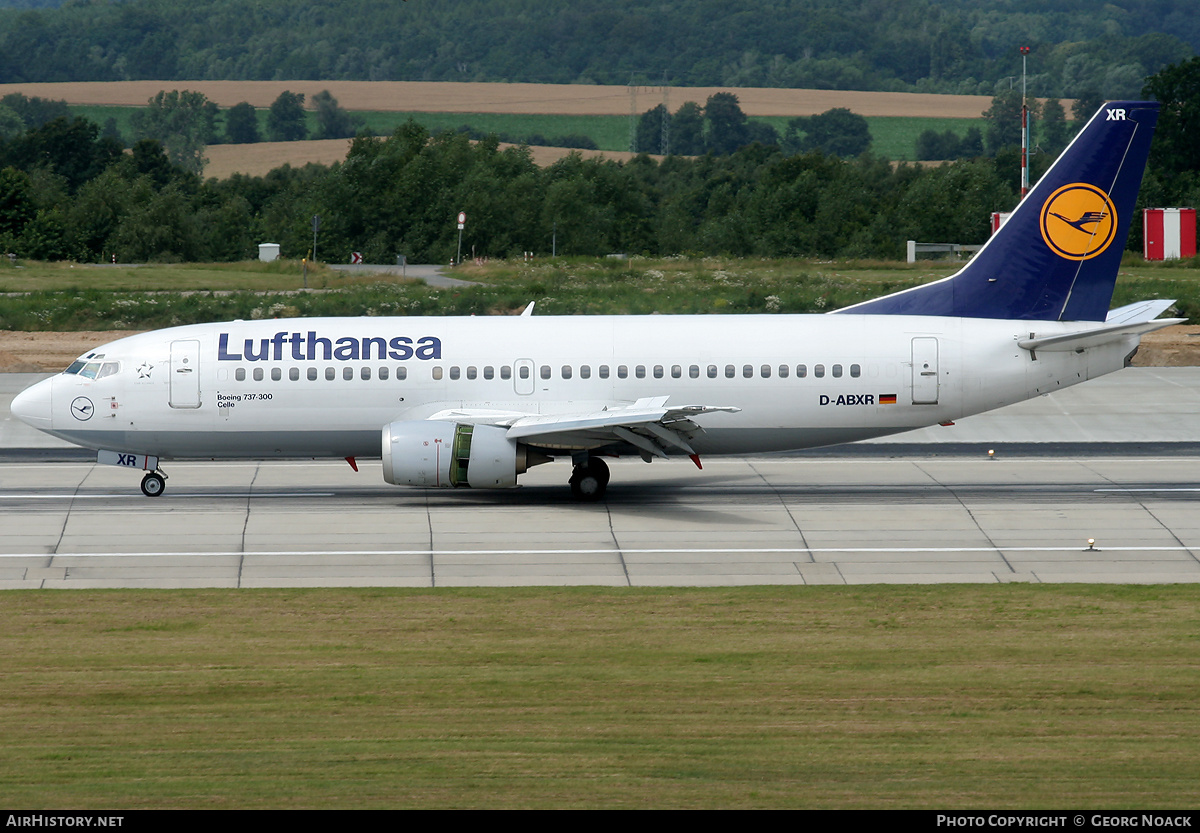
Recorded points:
(567, 99)
(259, 159)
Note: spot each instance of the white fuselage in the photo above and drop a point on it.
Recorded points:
(326, 387)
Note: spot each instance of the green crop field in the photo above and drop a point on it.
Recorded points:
(1008, 696)
(891, 137)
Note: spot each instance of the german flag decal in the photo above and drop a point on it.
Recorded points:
(887, 399)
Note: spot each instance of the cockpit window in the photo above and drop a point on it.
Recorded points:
(96, 370)
(89, 362)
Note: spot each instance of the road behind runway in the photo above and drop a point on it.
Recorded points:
(913, 511)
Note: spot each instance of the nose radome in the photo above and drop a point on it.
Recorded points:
(32, 405)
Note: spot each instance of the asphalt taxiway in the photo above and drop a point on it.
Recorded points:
(1119, 464)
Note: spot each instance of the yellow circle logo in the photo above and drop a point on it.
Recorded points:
(1078, 221)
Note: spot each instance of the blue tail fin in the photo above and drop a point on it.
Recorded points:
(1056, 258)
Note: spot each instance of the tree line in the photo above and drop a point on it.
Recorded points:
(69, 192)
(960, 46)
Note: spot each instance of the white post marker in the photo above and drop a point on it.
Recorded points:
(462, 221)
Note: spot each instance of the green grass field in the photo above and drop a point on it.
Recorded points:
(893, 138)
(62, 296)
(1010, 696)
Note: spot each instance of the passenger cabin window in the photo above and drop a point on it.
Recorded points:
(801, 371)
(240, 374)
(658, 371)
(401, 373)
(454, 372)
(783, 371)
(294, 374)
(712, 371)
(437, 373)
(545, 371)
(819, 371)
(837, 371)
(258, 374)
(748, 371)
(472, 372)
(622, 372)
(602, 371)
(585, 371)
(276, 374)
(330, 374)
(566, 371)
(694, 371)
(855, 371)
(489, 372)
(383, 374)
(640, 371)
(365, 374)
(312, 374)
(730, 371)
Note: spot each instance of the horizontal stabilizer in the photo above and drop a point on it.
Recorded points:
(1132, 320)
(1139, 312)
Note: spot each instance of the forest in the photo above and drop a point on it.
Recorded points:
(1077, 48)
(68, 192)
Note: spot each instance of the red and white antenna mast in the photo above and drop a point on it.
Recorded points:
(1024, 129)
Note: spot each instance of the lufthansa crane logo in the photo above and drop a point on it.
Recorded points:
(1078, 221)
(81, 408)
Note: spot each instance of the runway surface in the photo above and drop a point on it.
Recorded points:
(1116, 460)
(874, 519)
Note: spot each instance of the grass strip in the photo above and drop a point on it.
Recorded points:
(57, 296)
(1011, 696)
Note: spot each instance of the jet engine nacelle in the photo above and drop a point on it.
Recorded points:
(444, 454)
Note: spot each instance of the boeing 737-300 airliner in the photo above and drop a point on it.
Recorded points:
(476, 401)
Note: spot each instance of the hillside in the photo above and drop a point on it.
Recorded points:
(946, 46)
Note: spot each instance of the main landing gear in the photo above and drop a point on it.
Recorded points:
(589, 480)
(153, 484)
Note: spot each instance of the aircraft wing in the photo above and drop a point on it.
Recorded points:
(650, 425)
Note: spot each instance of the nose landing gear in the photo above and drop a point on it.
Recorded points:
(153, 484)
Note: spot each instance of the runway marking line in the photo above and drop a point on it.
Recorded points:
(111, 495)
(612, 551)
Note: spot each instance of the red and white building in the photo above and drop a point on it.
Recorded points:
(1170, 233)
